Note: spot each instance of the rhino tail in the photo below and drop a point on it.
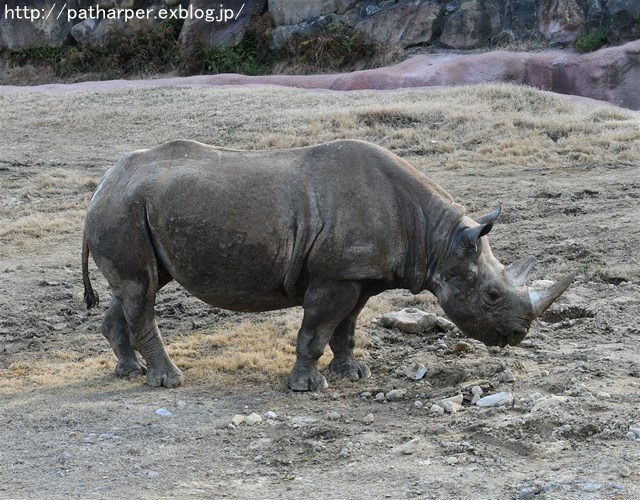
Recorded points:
(90, 297)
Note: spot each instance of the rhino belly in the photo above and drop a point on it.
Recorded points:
(237, 268)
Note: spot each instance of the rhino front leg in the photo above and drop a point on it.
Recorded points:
(325, 307)
(342, 343)
(116, 331)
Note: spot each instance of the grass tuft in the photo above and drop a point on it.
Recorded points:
(589, 42)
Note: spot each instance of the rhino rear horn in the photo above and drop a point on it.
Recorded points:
(518, 271)
(491, 217)
(542, 299)
(473, 234)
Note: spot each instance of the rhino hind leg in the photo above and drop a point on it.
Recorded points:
(116, 331)
(140, 314)
(134, 276)
(325, 307)
(342, 343)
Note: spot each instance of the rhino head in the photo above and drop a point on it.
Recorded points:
(485, 299)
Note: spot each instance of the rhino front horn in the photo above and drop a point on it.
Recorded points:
(542, 299)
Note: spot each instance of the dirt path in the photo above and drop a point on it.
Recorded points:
(568, 176)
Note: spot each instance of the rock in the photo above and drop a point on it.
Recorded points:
(467, 27)
(462, 346)
(546, 402)
(437, 409)
(624, 471)
(476, 390)
(380, 397)
(252, 419)
(410, 447)
(636, 431)
(96, 31)
(197, 32)
(458, 399)
(603, 395)
(270, 415)
(560, 22)
(237, 420)
(496, 400)
(19, 32)
(301, 421)
(333, 415)
(444, 324)
(452, 404)
(368, 419)
(529, 492)
(534, 398)
(450, 407)
(395, 394)
(346, 450)
(623, 15)
(418, 404)
(261, 444)
(410, 320)
(151, 474)
(416, 371)
(507, 376)
(282, 34)
(287, 12)
(163, 413)
(404, 24)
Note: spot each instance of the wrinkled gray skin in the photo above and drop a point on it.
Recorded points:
(325, 227)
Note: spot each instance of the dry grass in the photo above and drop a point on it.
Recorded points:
(47, 176)
(54, 369)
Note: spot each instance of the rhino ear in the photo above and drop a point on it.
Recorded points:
(473, 234)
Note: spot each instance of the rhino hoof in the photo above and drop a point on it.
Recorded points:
(306, 381)
(169, 377)
(349, 368)
(130, 370)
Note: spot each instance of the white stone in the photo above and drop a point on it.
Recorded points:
(237, 420)
(551, 400)
(410, 447)
(253, 419)
(395, 394)
(409, 320)
(495, 400)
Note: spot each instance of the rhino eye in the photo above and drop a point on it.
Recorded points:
(492, 295)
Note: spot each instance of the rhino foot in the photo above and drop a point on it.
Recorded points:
(306, 380)
(349, 368)
(130, 369)
(165, 376)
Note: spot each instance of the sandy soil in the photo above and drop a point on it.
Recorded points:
(70, 429)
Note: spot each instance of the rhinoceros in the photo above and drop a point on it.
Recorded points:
(324, 227)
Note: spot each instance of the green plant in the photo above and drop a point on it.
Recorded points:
(336, 47)
(242, 58)
(588, 42)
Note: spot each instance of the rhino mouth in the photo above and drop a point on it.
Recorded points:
(514, 338)
(501, 339)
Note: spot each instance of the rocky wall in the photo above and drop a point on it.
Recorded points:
(456, 24)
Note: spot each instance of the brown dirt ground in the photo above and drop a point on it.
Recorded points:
(568, 175)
